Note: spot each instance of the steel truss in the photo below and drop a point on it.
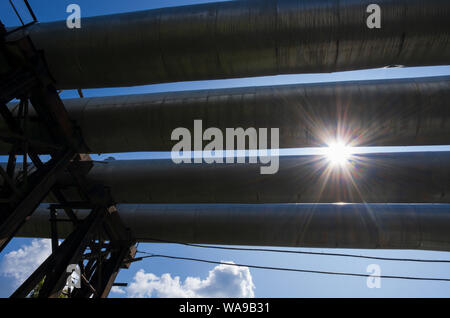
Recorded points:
(109, 247)
(25, 77)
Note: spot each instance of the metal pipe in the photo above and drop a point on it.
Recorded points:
(243, 39)
(373, 178)
(381, 226)
(394, 112)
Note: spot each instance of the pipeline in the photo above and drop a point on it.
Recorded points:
(372, 226)
(422, 177)
(394, 112)
(243, 39)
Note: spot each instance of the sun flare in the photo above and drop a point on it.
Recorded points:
(338, 153)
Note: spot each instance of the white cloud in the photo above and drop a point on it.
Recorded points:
(222, 281)
(117, 290)
(19, 264)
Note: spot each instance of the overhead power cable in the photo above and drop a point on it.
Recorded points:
(150, 255)
(306, 253)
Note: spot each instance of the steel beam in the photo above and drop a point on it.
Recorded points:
(54, 268)
(104, 261)
(104, 275)
(23, 206)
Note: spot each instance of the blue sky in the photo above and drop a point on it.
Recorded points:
(267, 283)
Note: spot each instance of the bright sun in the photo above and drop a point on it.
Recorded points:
(338, 153)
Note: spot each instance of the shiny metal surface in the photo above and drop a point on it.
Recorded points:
(381, 226)
(395, 112)
(422, 177)
(243, 39)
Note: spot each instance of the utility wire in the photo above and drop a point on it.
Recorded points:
(150, 255)
(307, 253)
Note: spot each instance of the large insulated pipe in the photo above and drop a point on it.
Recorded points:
(394, 112)
(374, 178)
(242, 39)
(384, 226)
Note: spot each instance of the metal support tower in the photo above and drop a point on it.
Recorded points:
(24, 76)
